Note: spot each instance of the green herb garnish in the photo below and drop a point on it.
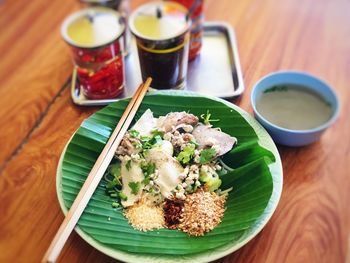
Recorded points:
(135, 187)
(276, 88)
(157, 132)
(146, 180)
(148, 168)
(128, 165)
(137, 144)
(114, 171)
(115, 182)
(194, 143)
(207, 118)
(113, 186)
(115, 204)
(134, 133)
(186, 154)
(122, 196)
(207, 155)
(149, 142)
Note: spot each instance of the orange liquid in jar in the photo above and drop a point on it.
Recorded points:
(196, 27)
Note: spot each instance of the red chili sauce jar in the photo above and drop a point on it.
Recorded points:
(95, 36)
(195, 8)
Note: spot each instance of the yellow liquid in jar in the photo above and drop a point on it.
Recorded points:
(159, 28)
(97, 29)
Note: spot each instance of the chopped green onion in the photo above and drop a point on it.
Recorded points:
(114, 183)
(114, 169)
(206, 118)
(123, 196)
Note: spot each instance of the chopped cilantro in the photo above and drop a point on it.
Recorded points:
(134, 133)
(186, 154)
(148, 168)
(206, 118)
(148, 142)
(135, 187)
(128, 165)
(207, 155)
(146, 180)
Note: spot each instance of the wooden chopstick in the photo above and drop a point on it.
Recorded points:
(95, 175)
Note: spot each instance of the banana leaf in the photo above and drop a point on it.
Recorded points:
(255, 169)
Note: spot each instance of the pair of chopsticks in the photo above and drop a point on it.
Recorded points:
(95, 175)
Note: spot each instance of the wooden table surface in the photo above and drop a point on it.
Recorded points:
(37, 117)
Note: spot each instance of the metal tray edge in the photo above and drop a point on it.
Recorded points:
(230, 32)
(223, 26)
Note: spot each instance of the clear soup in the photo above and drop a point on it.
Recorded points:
(294, 107)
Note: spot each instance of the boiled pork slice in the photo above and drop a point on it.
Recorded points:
(174, 119)
(208, 137)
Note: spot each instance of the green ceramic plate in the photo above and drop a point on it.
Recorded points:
(256, 179)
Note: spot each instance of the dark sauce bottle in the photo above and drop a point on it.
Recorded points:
(162, 37)
(168, 70)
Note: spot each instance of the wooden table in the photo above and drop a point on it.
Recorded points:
(37, 117)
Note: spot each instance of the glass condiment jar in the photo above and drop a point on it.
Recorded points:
(162, 37)
(123, 7)
(195, 8)
(95, 36)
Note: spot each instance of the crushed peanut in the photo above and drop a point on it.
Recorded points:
(202, 212)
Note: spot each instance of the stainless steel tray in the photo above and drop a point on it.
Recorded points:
(216, 72)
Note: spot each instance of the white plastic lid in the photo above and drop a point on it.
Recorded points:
(159, 20)
(92, 27)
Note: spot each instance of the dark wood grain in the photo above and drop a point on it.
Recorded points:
(30, 213)
(312, 221)
(34, 66)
